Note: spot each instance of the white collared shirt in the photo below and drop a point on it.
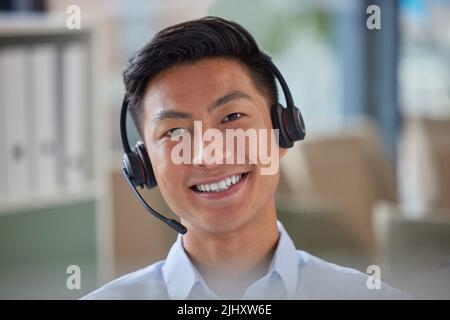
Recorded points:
(293, 274)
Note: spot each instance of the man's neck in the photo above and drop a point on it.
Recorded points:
(238, 258)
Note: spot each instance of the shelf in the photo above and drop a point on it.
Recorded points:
(29, 25)
(10, 206)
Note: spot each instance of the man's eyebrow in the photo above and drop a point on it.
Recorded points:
(174, 114)
(227, 98)
(171, 114)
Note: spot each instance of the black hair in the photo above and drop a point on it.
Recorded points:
(187, 43)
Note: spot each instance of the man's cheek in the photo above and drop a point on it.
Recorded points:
(161, 177)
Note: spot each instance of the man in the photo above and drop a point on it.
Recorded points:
(210, 70)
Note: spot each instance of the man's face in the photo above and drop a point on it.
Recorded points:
(219, 93)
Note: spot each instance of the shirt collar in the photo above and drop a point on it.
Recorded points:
(180, 275)
(285, 262)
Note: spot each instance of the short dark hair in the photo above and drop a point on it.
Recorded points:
(187, 43)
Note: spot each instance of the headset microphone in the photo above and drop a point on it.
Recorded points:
(178, 227)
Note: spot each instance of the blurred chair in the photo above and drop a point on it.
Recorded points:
(316, 227)
(414, 253)
(349, 170)
(424, 158)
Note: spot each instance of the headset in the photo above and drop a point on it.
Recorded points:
(138, 170)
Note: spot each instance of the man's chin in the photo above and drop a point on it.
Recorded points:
(222, 224)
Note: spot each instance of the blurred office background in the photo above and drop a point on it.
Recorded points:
(369, 185)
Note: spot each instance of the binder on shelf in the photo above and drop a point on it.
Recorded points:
(74, 115)
(2, 137)
(43, 92)
(14, 83)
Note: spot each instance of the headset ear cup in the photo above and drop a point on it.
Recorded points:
(133, 169)
(277, 115)
(150, 180)
(294, 124)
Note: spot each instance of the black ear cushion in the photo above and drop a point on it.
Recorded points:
(277, 115)
(150, 180)
(133, 169)
(294, 124)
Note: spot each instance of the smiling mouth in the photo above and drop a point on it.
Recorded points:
(219, 186)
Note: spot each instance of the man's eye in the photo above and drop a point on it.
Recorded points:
(232, 116)
(175, 132)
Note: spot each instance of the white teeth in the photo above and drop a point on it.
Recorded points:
(219, 186)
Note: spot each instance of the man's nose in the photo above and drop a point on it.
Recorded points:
(209, 148)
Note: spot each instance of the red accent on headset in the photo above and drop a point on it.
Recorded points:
(142, 170)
